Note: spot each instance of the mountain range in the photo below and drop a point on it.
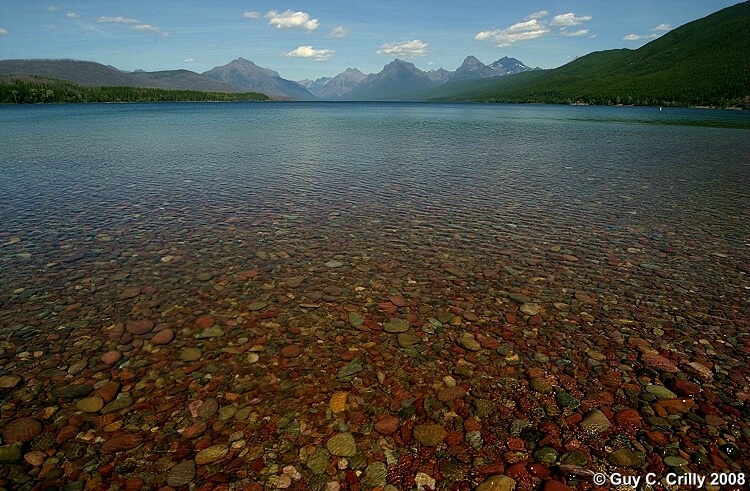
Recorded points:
(702, 63)
(397, 81)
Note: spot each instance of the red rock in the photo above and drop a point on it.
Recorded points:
(556, 486)
(133, 484)
(398, 301)
(21, 430)
(387, 424)
(539, 470)
(163, 337)
(110, 357)
(204, 322)
(518, 472)
(676, 406)
(658, 362)
(109, 390)
(291, 351)
(686, 388)
(121, 442)
(66, 433)
(628, 418)
(516, 444)
(656, 439)
(142, 326)
(387, 307)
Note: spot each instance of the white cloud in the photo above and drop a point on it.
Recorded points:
(3, 31)
(52, 8)
(311, 53)
(117, 20)
(135, 24)
(407, 49)
(538, 15)
(535, 27)
(339, 32)
(521, 31)
(71, 15)
(291, 20)
(662, 27)
(145, 27)
(189, 60)
(251, 15)
(569, 19)
(639, 37)
(574, 34)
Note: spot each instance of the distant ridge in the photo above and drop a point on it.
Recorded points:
(702, 63)
(94, 74)
(246, 74)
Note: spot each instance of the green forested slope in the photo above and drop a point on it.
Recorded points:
(703, 63)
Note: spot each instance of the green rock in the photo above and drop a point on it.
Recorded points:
(660, 392)
(566, 401)
(10, 453)
(396, 325)
(626, 458)
(675, 461)
(595, 422)
(468, 342)
(356, 320)
(540, 385)
(211, 332)
(254, 306)
(575, 458)
(351, 368)
(406, 340)
(497, 483)
(122, 402)
(342, 445)
(318, 461)
(375, 475)
(546, 455)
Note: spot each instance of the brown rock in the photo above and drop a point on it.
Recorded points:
(141, 326)
(211, 454)
(21, 430)
(121, 442)
(291, 351)
(111, 357)
(163, 337)
(35, 458)
(429, 435)
(658, 362)
(129, 293)
(449, 394)
(387, 424)
(204, 322)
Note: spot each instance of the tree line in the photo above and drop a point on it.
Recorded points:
(40, 91)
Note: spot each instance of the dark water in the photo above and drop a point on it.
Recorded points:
(615, 223)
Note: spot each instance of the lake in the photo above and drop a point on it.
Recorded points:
(359, 295)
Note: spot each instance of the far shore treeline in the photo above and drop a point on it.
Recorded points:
(37, 90)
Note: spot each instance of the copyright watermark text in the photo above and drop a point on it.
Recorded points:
(694, 480)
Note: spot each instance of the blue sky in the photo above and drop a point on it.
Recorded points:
(314, 39)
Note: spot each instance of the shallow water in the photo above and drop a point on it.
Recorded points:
(610, 223)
